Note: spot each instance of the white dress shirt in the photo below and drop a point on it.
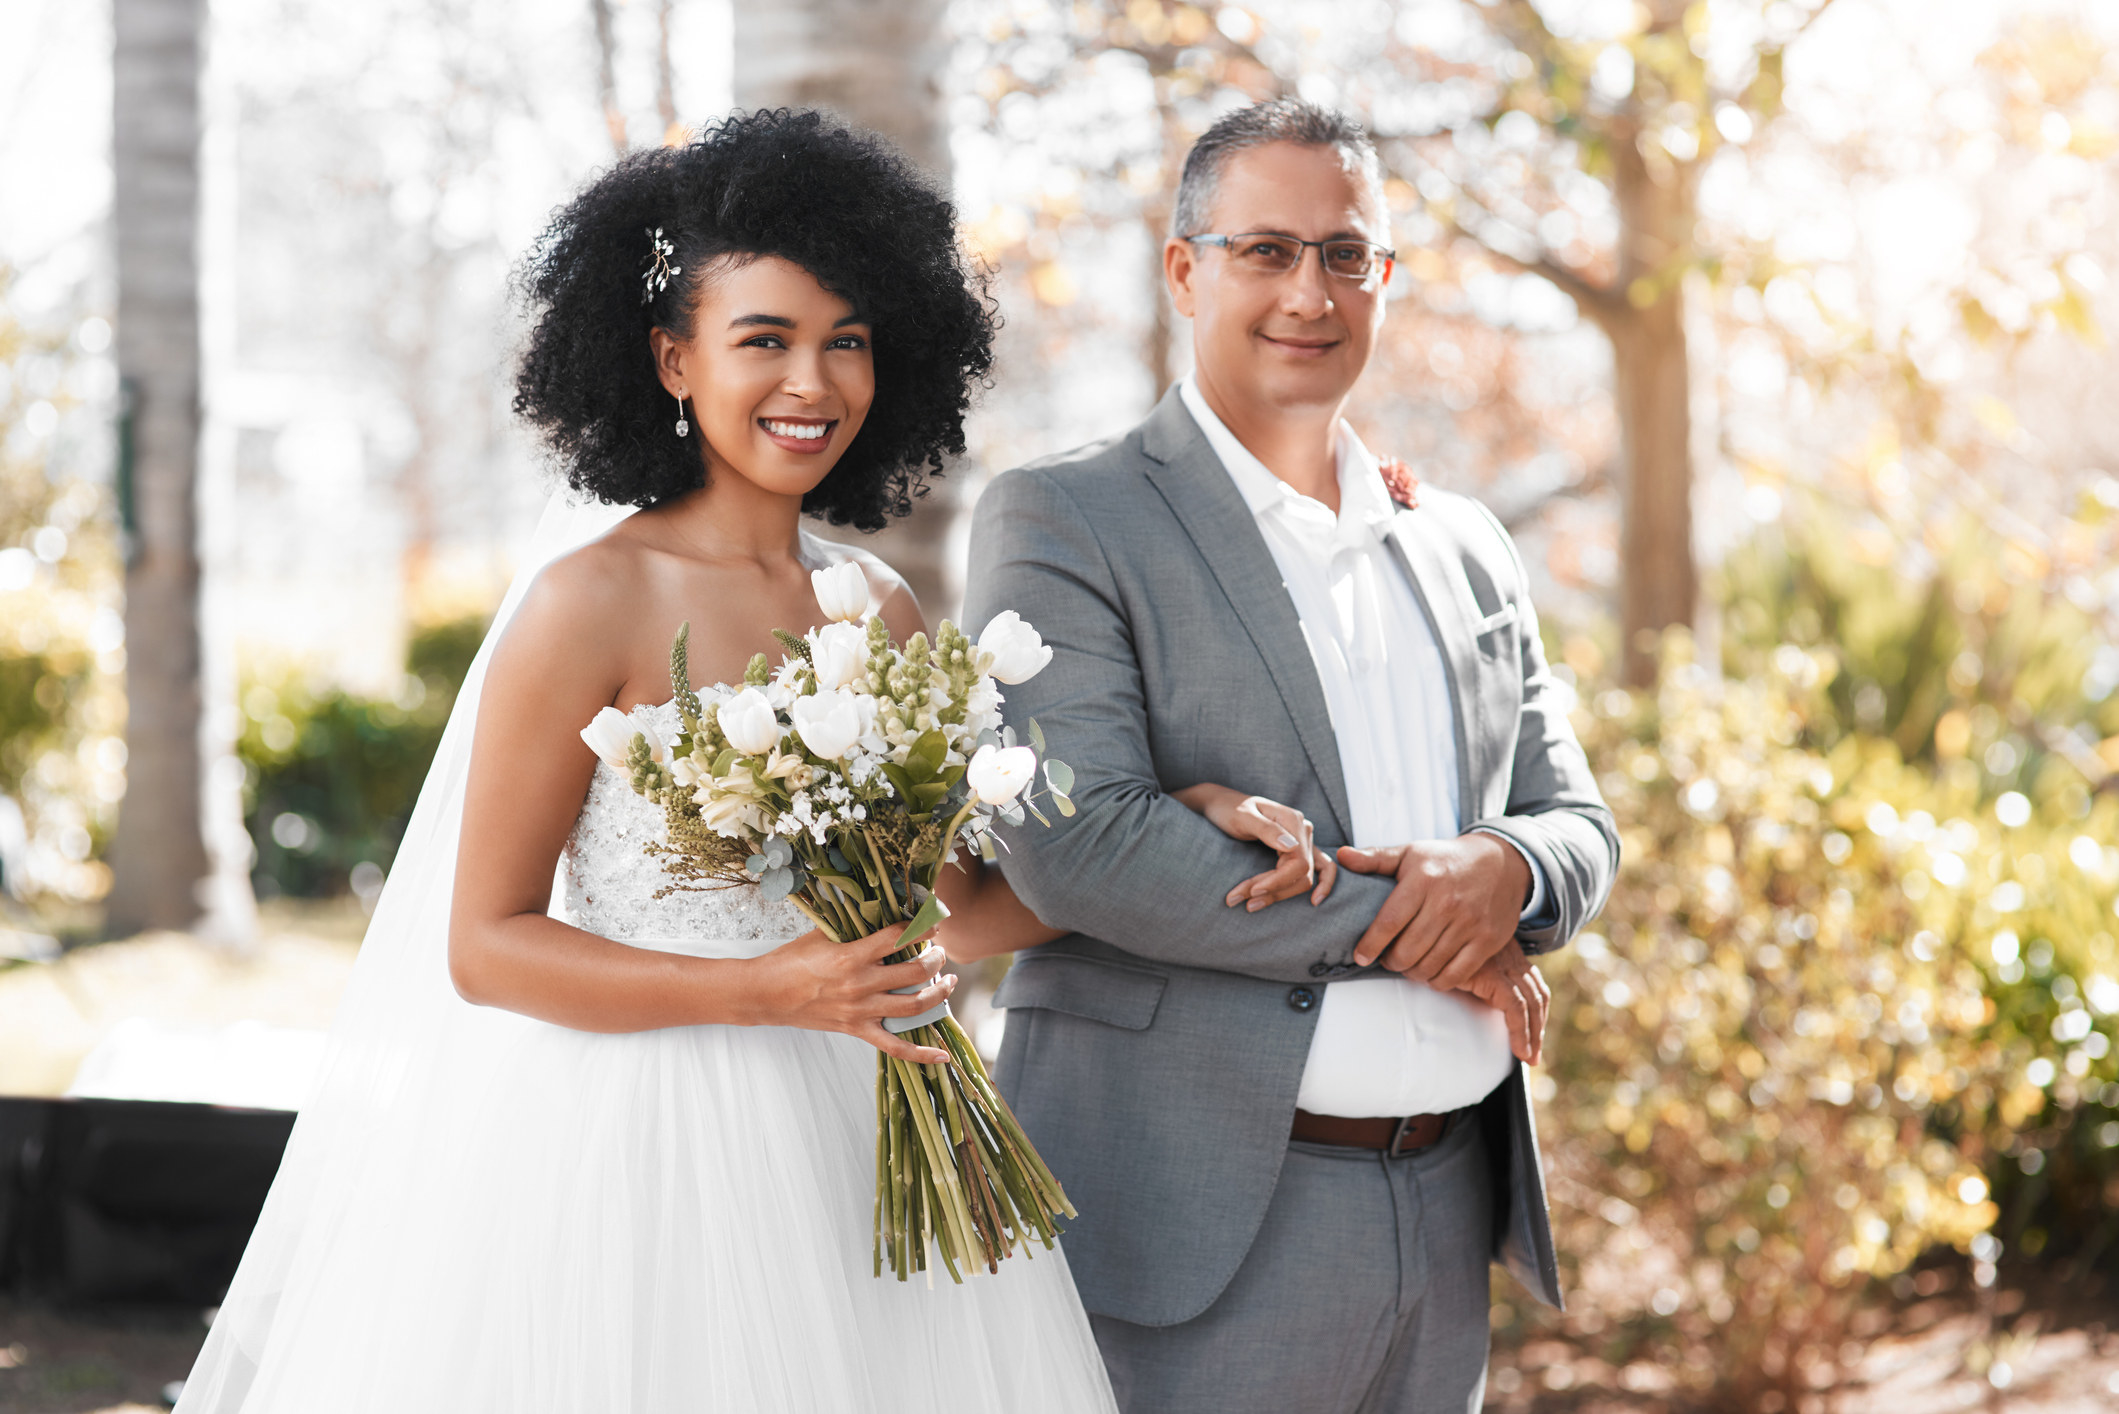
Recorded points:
(1384, 1045)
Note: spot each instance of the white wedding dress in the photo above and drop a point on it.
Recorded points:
(495, 1215)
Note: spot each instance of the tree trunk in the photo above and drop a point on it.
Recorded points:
(1658, 581)
(879, 66)
(1658, 584)
(159, 854)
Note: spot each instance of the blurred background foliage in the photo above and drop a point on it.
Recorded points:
(330, 775)
(1845, 1024)
(62, 713)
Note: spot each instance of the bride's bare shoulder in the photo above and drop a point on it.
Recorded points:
(581, 604)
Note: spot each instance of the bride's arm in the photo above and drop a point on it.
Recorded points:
(556, 665)
(986, 917)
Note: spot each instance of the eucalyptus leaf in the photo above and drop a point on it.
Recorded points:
(778, 852)
(1060, 776)
(756, 865)
(1037, 736)
(1037, 812)
(838, 860)
(1007, 736)
(776, 885)
(1064, 804)
(989, 737)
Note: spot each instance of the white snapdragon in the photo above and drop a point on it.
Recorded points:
(610, 735)
(829, 723)
(749, 723)
(1015, 651)
(842, 591)
(998, 774)
(839, 654)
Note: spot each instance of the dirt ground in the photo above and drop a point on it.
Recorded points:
(2043, 1348)
(2044, 1341)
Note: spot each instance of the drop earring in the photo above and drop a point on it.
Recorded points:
(684, 427)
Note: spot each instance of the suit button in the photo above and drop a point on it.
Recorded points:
(1320, 969)
(1302, 998)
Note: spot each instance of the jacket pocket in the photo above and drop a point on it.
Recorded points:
(1110, 992)
(1499, 619)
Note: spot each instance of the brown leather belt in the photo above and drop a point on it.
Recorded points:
(1395, 1138)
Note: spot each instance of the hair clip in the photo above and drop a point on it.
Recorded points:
(659, 269)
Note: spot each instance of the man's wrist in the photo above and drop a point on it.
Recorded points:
(1532, 902)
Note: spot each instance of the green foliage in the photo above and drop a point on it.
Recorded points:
(1831, 987)
(1947, 647)
(332, 776)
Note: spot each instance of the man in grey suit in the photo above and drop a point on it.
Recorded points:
(1297, 1134)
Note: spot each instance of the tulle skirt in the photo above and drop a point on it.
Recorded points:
(557, 1222)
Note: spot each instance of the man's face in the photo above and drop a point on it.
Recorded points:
(1293, 340)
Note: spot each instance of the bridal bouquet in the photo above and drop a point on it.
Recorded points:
(844, 781)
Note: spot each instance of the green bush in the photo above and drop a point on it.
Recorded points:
(332, 776)
(1830, 989)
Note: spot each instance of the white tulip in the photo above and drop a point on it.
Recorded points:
(828, 722)
(610, 735)
(839, 653)
(1017, 653)
(747, 720)
(842, 591)
(997, 774)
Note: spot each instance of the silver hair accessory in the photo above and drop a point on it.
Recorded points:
(659, 269)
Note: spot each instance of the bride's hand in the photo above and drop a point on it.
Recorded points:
(1281, 828)
(820, 985)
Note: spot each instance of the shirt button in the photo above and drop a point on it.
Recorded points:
(1302, 998)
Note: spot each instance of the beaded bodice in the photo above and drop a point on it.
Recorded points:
(608, 880)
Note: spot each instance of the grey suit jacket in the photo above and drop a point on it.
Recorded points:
(1154, 1055)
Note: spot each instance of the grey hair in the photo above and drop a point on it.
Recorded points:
(1281, 120)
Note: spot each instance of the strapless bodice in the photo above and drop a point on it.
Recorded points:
(608, 881)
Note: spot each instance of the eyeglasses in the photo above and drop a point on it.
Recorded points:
(1265, 253)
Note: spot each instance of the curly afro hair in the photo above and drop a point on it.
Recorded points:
(841, 204)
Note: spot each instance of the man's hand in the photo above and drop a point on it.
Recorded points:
(1511, 985)
(1456, 904)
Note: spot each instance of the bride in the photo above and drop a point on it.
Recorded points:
(576, 1147)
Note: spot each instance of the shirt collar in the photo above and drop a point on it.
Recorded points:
(1365, 506)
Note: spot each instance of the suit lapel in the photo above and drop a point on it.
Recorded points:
(1451, 612)
(1187, 474)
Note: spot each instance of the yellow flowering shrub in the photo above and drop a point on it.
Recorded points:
(1805, 1021)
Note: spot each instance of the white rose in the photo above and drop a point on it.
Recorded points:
(610, 735)
(1018, 654)
(839, 653)
(997, 774)
(828, 722)
(748, 722)
(842, 591)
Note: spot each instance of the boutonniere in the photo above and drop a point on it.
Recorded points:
(1399, 480)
